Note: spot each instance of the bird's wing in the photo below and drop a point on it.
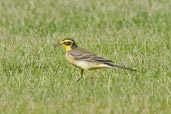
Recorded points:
(81, 54)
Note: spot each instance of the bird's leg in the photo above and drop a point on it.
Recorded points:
(81, 75)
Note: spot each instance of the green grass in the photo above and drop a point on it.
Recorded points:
(36, 79)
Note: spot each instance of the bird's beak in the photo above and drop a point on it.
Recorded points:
(58, 44)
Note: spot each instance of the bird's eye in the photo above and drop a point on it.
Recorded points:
(67, 43)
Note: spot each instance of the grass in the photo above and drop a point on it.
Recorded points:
(36, 79)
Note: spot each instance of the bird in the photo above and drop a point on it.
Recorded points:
(86, 60)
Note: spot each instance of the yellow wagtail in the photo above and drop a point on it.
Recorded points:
(85, 59)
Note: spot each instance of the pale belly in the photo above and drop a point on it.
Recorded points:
(85, 65)
(81, 64)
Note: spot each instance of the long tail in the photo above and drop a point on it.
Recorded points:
(120, 67)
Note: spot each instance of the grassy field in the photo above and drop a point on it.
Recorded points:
(36, 79)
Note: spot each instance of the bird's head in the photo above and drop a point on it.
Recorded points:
(68, 44)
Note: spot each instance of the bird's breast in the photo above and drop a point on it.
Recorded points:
(80, 64)
(70, 58)
(83, 64)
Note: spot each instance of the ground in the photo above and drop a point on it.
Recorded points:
(35, 78)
